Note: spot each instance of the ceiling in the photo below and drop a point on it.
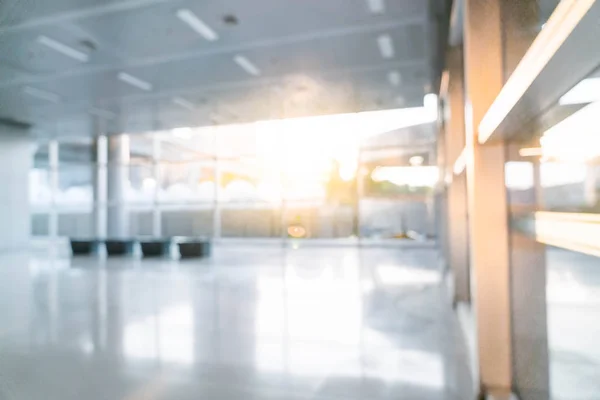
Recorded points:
(310, 57)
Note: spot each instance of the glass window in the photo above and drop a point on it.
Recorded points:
(75, 185)
(552, 183)
(186, 183)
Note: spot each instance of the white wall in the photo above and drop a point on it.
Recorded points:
(16, 158)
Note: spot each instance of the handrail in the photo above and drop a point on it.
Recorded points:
(548, 69)
(573, 231)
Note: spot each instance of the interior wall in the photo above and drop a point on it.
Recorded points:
(16, 159)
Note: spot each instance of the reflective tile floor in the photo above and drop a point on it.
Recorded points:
(257, 322)
(573, 298)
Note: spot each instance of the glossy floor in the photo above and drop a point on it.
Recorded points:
(573, 299)
(258, 322)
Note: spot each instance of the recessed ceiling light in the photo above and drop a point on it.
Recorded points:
(197, 24)
(184, 103)
(133, 81)
(63, 48)
(386, 46)
(230, 19)
(376, 6)
(102, 113)
(246, 65)
(41, 94)
(394, 78)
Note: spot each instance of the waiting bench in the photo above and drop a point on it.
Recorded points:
(189, 247)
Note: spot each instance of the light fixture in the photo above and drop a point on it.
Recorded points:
(182, 133)
(386, 46)
(574, 139)
(102, 113)
(136, 82)
(531, 152)
(63, 49)
(246, 65)
(461, 163)
(41, 94)
(394, 78)
(586, 91)
(184, 103)
(376, 6)
(197, 24)
(431, 104)
(416, 161)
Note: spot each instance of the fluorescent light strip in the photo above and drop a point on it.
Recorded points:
(184, 103)
(531, 152)
(246, 65)
(41, 94)
(102, 113)
(586, 91)
(136, 82)
(394, 78)
(386, 46)
(461, 162)
(197, 24)
(63, 49)
(376, 6)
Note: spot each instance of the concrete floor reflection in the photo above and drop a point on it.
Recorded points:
(573, 324)
(250, 323)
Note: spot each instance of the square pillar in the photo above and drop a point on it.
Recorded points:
(488, 215)
(458, 231)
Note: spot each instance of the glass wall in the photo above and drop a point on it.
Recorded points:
(274, 179)
(552, 183)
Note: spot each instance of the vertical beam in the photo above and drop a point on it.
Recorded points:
(53, 163)
(100, 187)
(156, 209)
(531, 372)
(118, 171)
(217, 178)
(484, 77)
(458, 231)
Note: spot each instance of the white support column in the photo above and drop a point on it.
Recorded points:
(484, 76)
(118, 180)
(217, 180)
(156, 209)
(100, 187)
(53, 164)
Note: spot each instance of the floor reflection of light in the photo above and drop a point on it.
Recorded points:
(391, 275)
(564, 289)
(270, 325)
(325, 308)
(140, 339)
(175, 342)
(310, 323)
(408, 366)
